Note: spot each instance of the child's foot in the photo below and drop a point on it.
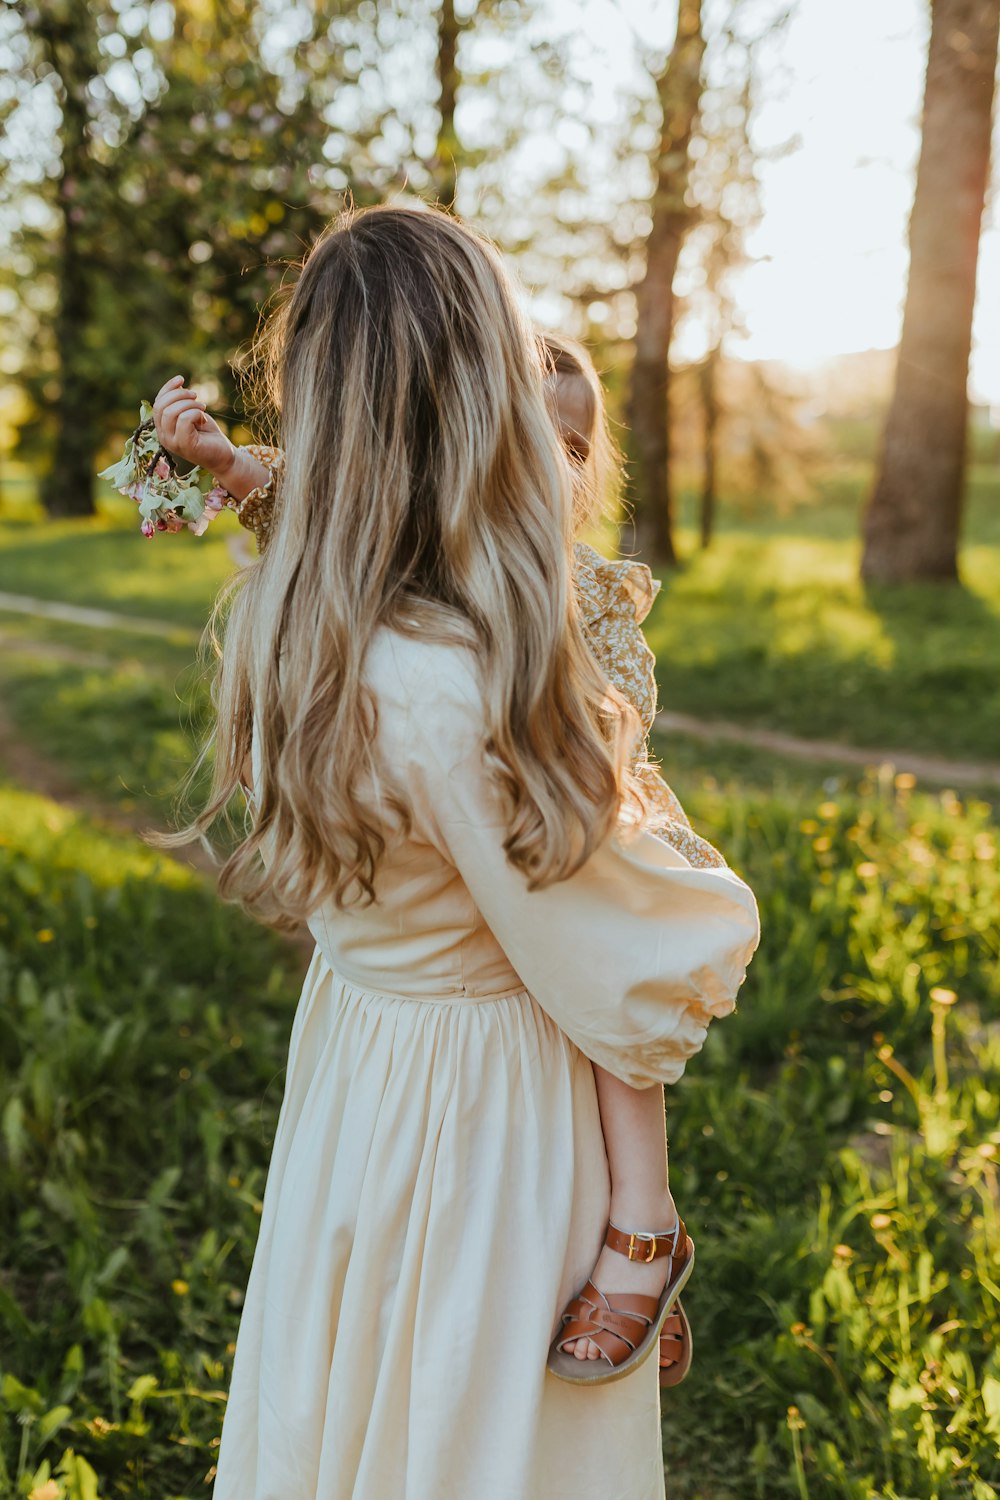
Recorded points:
(614, 1272)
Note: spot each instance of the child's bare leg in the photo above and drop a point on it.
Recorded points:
(635, 1136)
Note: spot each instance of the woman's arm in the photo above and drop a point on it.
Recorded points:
(633, 955)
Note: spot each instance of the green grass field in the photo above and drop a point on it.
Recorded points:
(772, 626)
(769, 627)
(835, 1148)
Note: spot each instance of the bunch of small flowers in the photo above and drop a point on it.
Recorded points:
(167, 501)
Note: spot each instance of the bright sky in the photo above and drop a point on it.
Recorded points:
(831, 275)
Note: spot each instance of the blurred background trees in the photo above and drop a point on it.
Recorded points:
(164, 161)
(178, 178)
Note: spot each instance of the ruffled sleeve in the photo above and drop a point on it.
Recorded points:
(633, 955)
(614, 598)
(256, 510)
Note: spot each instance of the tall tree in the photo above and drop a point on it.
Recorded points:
(57, 50)
(446, 153)
(678, 88)
(189, 161)
(912, 522)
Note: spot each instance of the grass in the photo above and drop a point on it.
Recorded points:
(105, 562)
(773, 627)
(770, 627)
(125, 729)
(143, 1027)
(835, 1149)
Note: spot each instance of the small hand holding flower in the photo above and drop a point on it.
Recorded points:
(184, 427)
(177, 421)
(225, 477)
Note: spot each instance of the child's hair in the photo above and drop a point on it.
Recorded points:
(597, 458)
(424, 488)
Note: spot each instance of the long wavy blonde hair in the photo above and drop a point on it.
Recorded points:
(424, 489)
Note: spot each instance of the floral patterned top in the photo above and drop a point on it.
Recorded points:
(614, 597)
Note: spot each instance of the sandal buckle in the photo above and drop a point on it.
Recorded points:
(650, 1238)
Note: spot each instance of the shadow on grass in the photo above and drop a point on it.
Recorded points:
(777, 631)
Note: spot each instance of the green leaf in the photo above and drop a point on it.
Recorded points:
(142, 1387)
(190, 503)
(18, 1397)
(121, 473)
(12, 1314)
(114, 1263)
(52, 1421)
(81, 1481)
(14, 1134)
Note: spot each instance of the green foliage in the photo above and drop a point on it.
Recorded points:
(771, 626)
(163, 223)
(837, 1151)
(834, 1149)
(143, 1026)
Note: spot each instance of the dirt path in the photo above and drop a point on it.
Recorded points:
(96, 619)
(932, 768)
(35, 772)
(940, 770)
(28, 768)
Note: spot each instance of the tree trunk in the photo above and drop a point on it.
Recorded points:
(911, 525)
(445, 166)
(709, 387)
(679, 88)
(68, 488)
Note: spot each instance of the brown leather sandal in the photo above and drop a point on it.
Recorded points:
(625, 1326)
(676, 1347)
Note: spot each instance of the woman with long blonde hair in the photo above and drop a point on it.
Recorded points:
(442, 786)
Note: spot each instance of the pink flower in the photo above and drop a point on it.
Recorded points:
(172, 522)
(134, 490)
(162, 470)
(215, 501)
(148, 529)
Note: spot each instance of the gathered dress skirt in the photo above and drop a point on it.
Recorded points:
(438, 1189)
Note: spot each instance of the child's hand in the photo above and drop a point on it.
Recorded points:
(185, 429)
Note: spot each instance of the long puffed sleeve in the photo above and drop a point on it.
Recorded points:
(633, 955)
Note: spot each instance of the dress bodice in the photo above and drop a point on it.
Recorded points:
(632, 955)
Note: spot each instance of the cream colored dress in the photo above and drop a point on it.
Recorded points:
(438, 1188)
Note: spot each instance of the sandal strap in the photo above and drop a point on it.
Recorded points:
(646, 1244)
(672, 1341)
(593, 1302)
(614, 1331)
(613, 1347)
